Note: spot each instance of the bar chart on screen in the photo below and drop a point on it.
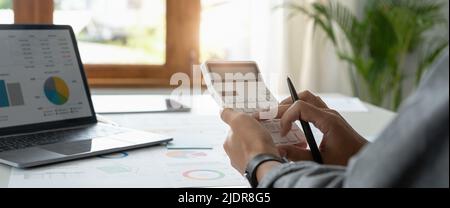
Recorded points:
(10, 94)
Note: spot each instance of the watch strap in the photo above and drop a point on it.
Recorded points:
(252, 166)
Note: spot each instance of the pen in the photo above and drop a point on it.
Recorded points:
(306, 127)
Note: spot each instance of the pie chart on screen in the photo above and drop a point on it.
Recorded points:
(56, 90)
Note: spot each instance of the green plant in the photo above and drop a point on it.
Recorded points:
(5, 4)
(377, 45)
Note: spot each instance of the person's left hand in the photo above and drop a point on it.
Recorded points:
(247, 139)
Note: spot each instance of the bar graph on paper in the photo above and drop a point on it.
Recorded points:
(10, 94)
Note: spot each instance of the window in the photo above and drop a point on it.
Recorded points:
(137, 37)
(6, 12)
(125, 42)
(225, 38)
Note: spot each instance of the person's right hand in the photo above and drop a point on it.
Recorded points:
(340, 141)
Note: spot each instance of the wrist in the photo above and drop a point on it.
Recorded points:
(265, 168)
(255, 164)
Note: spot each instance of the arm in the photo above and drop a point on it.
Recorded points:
(300, 175)
(248, 138)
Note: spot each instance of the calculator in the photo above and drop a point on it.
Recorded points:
(239, 86)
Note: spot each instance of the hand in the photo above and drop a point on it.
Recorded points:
(247, 138)
(340, 141)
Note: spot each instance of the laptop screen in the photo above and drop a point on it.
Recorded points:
(41, 79)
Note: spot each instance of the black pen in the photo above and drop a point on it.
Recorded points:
(306, 127)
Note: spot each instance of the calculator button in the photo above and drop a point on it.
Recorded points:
(272, 128)
(264, 105)
(240, 105)
(261, 98)
(292, 137)
(229, 99)
(252, 98)
(283, 143)
(248, 110)
(240, 99)
(228, 106)
(251, 105)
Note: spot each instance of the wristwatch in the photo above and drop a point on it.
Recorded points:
(252, 166)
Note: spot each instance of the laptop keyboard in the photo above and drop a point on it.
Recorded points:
(26, 141)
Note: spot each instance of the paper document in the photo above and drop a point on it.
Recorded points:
(153, 167)
(345, 104)
(149, 168)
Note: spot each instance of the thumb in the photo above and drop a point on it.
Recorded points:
(227, 115)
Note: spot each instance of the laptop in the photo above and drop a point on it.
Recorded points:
(46, 111)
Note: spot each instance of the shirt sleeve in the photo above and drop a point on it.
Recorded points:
(304, 175)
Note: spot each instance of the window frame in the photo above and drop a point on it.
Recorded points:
(182, 51)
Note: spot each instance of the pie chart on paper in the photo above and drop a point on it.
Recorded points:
(56, 90)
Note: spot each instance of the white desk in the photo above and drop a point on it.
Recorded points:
(369, 124)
